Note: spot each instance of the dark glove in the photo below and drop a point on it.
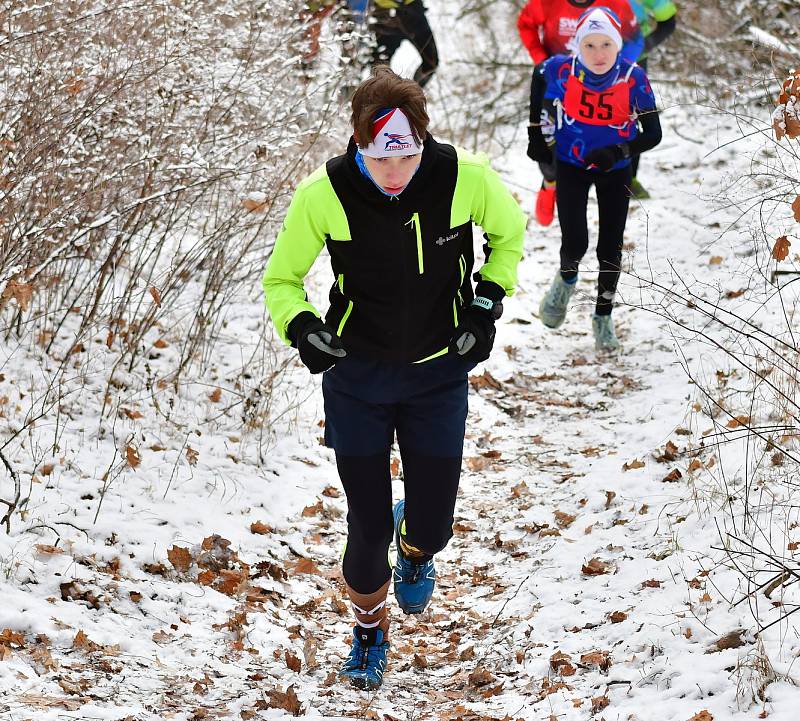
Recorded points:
(606, 157)
(474, 337)
(538, 149)
(318, 344)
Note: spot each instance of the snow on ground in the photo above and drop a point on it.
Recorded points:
(203, 584)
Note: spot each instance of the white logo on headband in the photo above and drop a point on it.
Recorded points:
(392, 135)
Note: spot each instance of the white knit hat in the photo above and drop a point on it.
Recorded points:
(391, 136)
(602, 21)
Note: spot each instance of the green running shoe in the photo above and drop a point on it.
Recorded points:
(638, 191)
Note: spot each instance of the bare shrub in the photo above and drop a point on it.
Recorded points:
(147, 153)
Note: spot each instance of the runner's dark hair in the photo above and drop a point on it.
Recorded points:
(385, 89)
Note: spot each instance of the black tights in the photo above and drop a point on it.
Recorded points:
(407, 22)
(431, 485)
(613, 195)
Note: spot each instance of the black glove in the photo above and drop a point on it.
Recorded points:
(318, 344)
(538, 149)
(606, 157)
(474, 337)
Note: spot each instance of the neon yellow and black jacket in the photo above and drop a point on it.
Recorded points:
(401, 264)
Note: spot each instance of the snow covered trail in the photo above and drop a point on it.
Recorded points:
(578, 583)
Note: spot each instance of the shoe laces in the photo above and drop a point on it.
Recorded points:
(366, 656)
(411, 571)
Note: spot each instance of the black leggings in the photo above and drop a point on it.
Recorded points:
(407, 22)
(431, 485)
(613, 195)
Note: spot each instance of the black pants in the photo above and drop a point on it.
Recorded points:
(407, 22)
(613, 196)
(367, 403)
(548, 171)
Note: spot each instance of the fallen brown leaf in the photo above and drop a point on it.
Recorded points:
(260, 529)
(564, 520)
(292, 661)
(631, 465)
(485, 380)
(600, 659)
(192, 455)
(306, 565)
(733, 639)
(180, 558)
(478, 463)
(12, 638)
(132, 456)
(286, 701)
(315, 510)
(480, 677)
(702, 716)
(595, 567)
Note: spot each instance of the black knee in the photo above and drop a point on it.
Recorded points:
(430, 540)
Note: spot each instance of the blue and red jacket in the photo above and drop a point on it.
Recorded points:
(584, 111)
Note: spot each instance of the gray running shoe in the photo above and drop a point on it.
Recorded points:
(553, 308)
(604, 336)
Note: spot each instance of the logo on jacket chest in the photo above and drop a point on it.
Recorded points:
(567, 27)
(444, 238)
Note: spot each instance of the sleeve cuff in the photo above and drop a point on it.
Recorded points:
(296, 325)
(490, 290)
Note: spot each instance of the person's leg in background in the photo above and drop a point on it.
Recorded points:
(613, 199)
(572, 198)
(546, 197)
(415, 27)
(385, 27)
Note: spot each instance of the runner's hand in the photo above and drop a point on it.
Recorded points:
(474, 337)
(319, 346)
(604, 158)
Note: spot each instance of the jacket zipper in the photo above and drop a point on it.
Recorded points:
(414, 223)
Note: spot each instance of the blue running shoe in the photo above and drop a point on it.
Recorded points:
(366, 662)
(413, 580)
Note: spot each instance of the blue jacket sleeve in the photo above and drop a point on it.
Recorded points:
(632, 47)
